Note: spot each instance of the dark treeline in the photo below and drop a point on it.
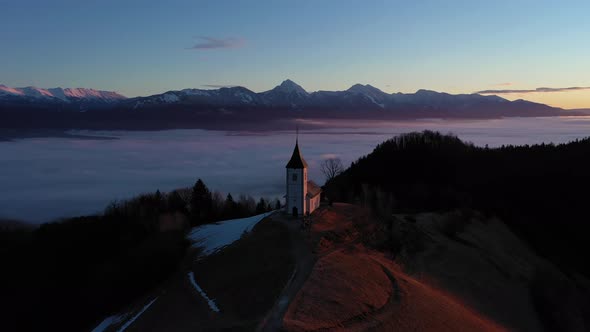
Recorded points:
(540, 191)
(71, 274)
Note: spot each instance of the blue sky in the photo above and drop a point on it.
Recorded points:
(145, 47)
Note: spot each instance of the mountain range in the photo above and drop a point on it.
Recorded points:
(199, 107)
(68, 95)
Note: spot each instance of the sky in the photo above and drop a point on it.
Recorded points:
(139, 48)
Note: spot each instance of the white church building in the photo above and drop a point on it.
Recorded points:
(303, 196)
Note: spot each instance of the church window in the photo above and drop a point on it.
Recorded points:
(294, 177)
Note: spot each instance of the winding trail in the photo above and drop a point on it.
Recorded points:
(324, 293)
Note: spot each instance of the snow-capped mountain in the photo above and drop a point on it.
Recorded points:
(442, 99)
(236, 106)
(287, 93)
(232, 96)
(373, 94)
(358, 98)
(67, 95)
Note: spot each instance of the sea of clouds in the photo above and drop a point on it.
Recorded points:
(46, 178)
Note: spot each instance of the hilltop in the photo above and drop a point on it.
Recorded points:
(436, 234)
(341, 274)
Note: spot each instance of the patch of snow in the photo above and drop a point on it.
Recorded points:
(116, 319)
(62, 94)
(129, 322)
(32, 91)
(58, 93)
(210, 302)
(92, 94)
(375, 102)
(213, 237)
(170, 98)
(245, 97)
(109, 321)
(9, 90)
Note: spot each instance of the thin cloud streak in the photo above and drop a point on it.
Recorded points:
(542, 90)
(210, 43)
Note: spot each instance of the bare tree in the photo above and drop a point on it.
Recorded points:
(331, 168)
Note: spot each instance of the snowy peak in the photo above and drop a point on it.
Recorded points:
(371, 93)
(66, 95)
(365, 89)
(227, 96)
(29, 91)
(288, 93)
(290, 87)
(82, 93)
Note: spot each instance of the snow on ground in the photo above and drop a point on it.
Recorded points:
(211, 302)
(170, 98)
(116, 319)
(108, 322)
(129, 322)
(213, 237)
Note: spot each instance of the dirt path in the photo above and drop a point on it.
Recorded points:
(304, 262)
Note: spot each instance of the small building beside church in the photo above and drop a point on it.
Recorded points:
(303, 195)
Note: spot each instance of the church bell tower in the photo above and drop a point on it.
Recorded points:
(296, 183)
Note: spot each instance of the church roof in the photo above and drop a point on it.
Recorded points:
(297, 160)
(313, 189)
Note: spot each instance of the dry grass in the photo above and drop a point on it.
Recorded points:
(357, 289)
(341, 286)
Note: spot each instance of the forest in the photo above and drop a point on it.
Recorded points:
(70, 274)
(539, 191)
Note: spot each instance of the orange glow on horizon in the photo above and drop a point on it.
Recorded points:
(564, 99)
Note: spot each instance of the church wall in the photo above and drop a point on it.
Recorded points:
(313, 203)
(296, 190)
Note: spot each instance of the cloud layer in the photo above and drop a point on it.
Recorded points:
(210, 43)
(575, 88)
(246, 163)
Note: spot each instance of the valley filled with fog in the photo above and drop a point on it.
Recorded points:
(44, 178)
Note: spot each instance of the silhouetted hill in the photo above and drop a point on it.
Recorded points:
(540, 191)
(12, 224)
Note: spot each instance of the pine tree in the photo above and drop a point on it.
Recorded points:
(158, 201)
(201, 203)
(261, 206)
(230, 207)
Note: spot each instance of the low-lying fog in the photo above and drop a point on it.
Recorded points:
(46, 178)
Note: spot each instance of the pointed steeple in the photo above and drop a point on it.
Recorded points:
(297, 160)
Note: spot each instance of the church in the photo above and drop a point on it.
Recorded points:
(303, 196)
